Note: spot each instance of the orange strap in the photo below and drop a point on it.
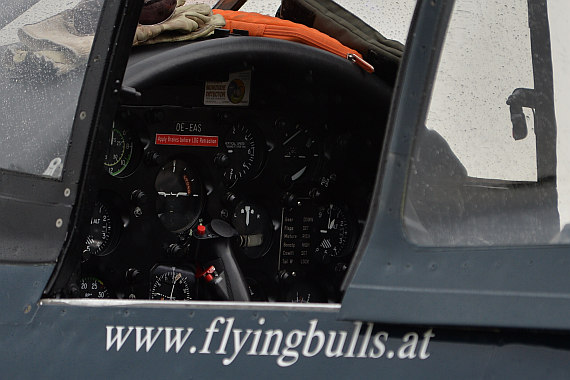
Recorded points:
(266, 26)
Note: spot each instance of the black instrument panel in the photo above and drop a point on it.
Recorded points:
(292, 172)
(296, 191)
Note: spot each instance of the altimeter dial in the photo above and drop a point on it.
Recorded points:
(102, 236)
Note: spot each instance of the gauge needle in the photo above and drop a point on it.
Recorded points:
(292, 137)
(112, 135)
(247, 208)
(331, 224)
(296, 176)
(174, 283)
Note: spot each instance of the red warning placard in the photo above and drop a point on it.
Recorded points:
(186, 140)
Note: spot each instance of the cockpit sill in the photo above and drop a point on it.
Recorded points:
(196, 305)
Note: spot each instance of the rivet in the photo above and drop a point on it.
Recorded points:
(67, 192)
(59, 223)
(82, 115)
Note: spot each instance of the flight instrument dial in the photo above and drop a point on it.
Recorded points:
(331, 231)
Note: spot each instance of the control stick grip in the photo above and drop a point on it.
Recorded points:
(215, 249)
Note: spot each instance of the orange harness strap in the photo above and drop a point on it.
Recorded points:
(266, 26)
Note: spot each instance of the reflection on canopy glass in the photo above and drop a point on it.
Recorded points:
(485, 169)
(43, 56)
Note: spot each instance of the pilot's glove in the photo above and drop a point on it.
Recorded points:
(56, 45)
(189, 21)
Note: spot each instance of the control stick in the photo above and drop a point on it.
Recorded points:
(216, 257)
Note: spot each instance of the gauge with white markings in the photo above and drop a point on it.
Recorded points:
(103, 232)
(244, 149)
(91, 287)
(171, 283)
(302, 291)
(255, 228)
(331, 232)
(120, 151)
(179, 196)
(300, 155)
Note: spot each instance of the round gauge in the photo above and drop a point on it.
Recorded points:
(91, 287)
(244, 152)
(119, 151)
(171, 284)
(255, 228)
(331, 232)
(299, 153)
(179, 200)
(102, 232)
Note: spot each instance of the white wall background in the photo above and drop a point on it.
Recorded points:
(481, 134)
(474, 79)
(558, 11)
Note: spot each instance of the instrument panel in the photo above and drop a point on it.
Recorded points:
(296, 191)
(286, 177)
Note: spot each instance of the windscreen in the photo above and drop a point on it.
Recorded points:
(491, 159)
(44, 49)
